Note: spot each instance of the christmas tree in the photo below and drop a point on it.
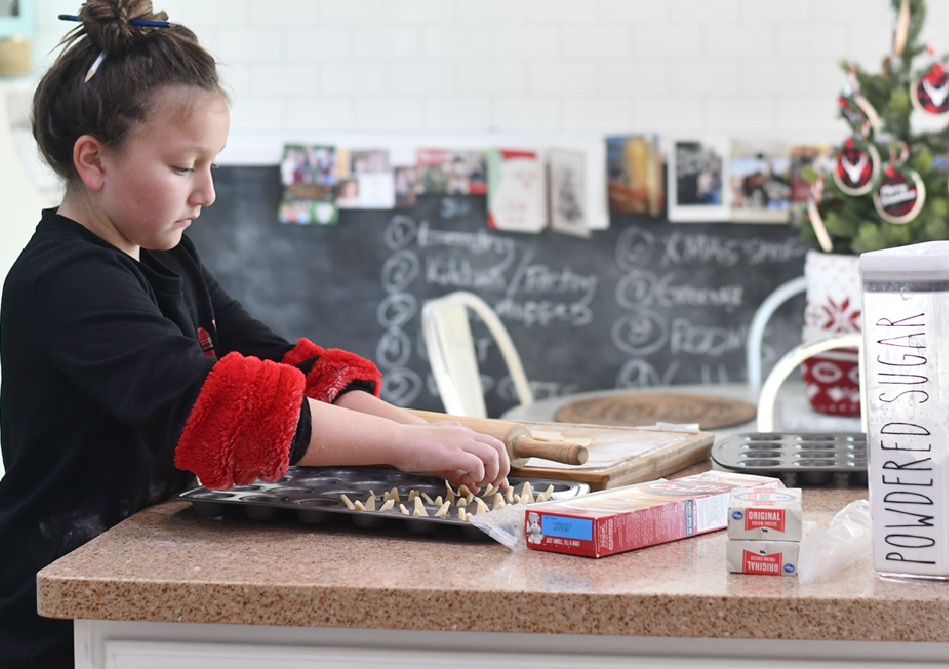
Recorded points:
(890, 184)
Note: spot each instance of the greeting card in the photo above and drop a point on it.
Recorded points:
(516, 194)
(567, 186)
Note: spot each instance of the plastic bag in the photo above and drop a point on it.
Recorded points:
(506, 526)
(846, 540)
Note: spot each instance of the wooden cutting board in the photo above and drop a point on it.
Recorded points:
(618, 455)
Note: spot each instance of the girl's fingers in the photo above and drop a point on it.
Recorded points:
(473, 467)
(504, 458)
(463, 456)
(497, 463)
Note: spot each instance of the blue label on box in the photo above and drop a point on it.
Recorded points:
(567, 528)
(689, 518)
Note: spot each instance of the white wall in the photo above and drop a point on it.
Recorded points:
(475, 72)
(749, 68)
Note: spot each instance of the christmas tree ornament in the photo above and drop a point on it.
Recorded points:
(901, 192)
(854, 107)
(856, 166)
(901, 27)
(859, 113)
(929, 90)
(816, 221)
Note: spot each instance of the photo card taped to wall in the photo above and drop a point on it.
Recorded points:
(451, 171)
(698, 178)
(635, 171)
(366, 180)
(309, 177)
(760, 181)
(406, 185)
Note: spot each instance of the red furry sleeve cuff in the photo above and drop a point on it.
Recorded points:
(242, 425)
(333, 371)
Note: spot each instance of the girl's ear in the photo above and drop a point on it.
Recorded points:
(88, 154)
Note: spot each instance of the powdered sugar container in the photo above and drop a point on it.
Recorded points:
(906, 377)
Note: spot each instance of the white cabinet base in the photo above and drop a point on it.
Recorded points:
(143, 645)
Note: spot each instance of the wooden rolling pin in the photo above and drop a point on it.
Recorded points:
(521, 445)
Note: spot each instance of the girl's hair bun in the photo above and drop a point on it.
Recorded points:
(108, 23)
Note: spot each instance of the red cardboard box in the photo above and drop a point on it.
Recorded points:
(765, 515)
(763, 558)
(635, 516)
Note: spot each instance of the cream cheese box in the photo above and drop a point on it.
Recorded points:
(774, 515)
(630, 517)
(763, 558)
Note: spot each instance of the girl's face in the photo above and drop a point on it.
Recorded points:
(155, 185)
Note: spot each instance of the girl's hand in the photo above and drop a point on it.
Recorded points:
(362, 430)
(454, 452)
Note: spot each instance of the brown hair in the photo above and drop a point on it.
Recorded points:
(139, 60)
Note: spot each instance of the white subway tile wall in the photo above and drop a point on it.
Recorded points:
(750, 68)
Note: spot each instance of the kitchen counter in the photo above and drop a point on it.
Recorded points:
(169, 565)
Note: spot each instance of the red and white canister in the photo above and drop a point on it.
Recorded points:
(834, 303)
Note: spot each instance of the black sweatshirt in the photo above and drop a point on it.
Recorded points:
(102, 360)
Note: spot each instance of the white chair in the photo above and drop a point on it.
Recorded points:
(446, 328)
(781, 294)
(792, 360)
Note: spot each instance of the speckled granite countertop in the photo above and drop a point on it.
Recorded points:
(169, 564)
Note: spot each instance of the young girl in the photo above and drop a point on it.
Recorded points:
(126, 367)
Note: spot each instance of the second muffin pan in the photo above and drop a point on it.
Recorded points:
(798, 459)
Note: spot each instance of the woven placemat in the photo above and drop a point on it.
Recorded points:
(638, 409)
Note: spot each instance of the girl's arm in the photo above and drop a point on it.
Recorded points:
(363, 402)
(244, 421)
(361, 429)
(381, 432)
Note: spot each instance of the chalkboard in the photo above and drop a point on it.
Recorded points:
(644, 303)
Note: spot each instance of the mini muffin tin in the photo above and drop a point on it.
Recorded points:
(314, 496)
(800, 459)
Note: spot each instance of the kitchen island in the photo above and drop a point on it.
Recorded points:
(170, 588)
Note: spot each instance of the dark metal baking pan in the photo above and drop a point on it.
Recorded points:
(799, 459)
(315, 495)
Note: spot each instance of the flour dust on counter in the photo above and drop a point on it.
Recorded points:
(643, 303)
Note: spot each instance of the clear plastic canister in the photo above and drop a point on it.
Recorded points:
(906, 395)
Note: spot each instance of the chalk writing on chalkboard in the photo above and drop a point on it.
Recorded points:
(651, 302)
(643, 303)
(398, 308)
